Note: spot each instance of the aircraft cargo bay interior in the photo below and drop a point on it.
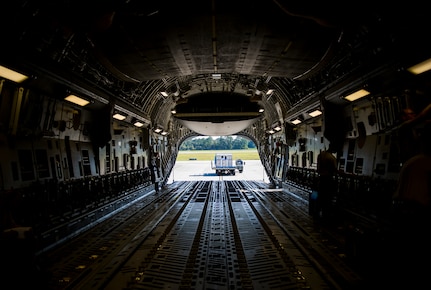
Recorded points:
(97, 97)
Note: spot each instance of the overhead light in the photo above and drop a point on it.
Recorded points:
(216, 76)
(12, 75)
(420, 67)
(297, 120)
(261, 110)
(357, 95)
(164, 94)
(270, 131)
(164, 133)
(315, 113)
(276, 126)
(77, 100)
(270, 91)
(138, 124)
(158, 130)
(173, 111)
(119, 116)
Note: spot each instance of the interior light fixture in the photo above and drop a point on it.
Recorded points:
(270, 91)
(164, 94)
(271, 131)
(158, 130)
(173, 111)
(138, 124)
(216, 76)
(164, 133)
(357, 95)
(420, 67)
(119, 116)
(77, 100)
(277, 128)
(296, 121)
(315, 113)
(12, 75)
(261, 110)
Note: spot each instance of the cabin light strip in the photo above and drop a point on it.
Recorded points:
(315, 113)
(12, 75)
(420, 67)
(77, 100)
(357, 95)
(138, 124)
(119, 116)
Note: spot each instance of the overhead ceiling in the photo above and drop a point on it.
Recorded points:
(281, 55)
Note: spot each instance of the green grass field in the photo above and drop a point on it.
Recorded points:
(205, 155)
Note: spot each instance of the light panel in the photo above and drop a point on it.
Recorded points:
(357, 95)
(296, 121)
(270, 91)
(138, 124)
(119, 116)
(315, 113)
(420, 67)
(12, 75)
(77, 100)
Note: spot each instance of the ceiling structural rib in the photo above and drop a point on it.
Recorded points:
(214, 35)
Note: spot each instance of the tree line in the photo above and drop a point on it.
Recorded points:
(219, 143)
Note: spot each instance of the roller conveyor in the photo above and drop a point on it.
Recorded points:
(204, 235)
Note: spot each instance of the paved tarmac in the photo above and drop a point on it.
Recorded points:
(201, 170)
